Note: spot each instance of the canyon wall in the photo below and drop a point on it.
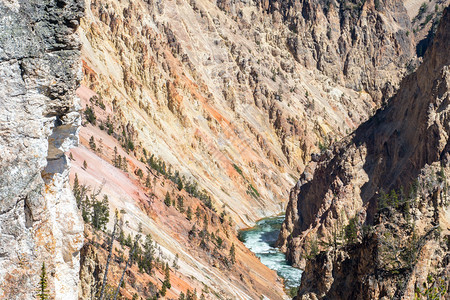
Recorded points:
(381, 190)
(39, 121)
(245, 90)
(363, 45)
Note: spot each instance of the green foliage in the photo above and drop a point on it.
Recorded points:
(166, 283)
(100, 213)
(109, 126)
(441, 175)
(181, 297)
(163, 290)
(92, 144)
(252, 191)
(79, 191)
(180, 204)
(147, 182)
(351, 231)
(219, 242)
(93, 211)
(313, 249)
(98, 101)
(146, 258)
(198, 212)
(388, 200)
(238, 170)
(128, 242)
(423, 8)
(180, 185)
(191, 187)
(139, 173)
(427, 19)
(167, 200)
(233, 254)
(89, 114)
(175, 262)
(189, 213)
(193, 232)
(293, 291)
(433, 289)
(43, 284)
(130, 145)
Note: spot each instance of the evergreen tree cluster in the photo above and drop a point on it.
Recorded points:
(93, 210)
(182, 183)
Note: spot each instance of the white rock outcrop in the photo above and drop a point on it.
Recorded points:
(39, 121)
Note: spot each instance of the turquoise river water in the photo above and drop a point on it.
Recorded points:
(261, 239)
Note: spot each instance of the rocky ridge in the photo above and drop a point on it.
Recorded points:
(220, 83)
(363, 45)
(39, 121)
(388, 178)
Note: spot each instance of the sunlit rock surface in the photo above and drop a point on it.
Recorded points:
(39, 73)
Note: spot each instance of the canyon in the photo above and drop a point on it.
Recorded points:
(178, 123)
(388, 180)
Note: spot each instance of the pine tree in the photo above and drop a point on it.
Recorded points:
(147, 182)
(233, 254)
(139, 173)
(148, 255)
(167, 277)
(76, 190)
(115, 156)
(189, 213)
(180, 185)
(100, 213)
(163, 290)
(167, 200)
(85, 165)
(92, 144)
(43, 284)
(351, 231)
(175, 262)
(219, 242)
(180, 204)
(125, 164)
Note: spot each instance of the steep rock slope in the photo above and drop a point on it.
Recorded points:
(363, 45)
(201, 240)
(403, 150)
(218, 92)
(39, 73)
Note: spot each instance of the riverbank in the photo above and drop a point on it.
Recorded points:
(261, 239)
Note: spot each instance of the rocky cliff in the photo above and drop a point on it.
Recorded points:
(39, 73)
(377, 205)
(363, 45)
(244, 90)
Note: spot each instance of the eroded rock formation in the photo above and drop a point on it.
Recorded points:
(39, 72)
(364, 45)
(403, 148)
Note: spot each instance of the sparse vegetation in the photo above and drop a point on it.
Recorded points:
(252, 191)
(89, 114)
(351, 231)
(43, 284)
(93, 211)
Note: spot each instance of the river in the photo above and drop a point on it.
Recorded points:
(261, 239)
